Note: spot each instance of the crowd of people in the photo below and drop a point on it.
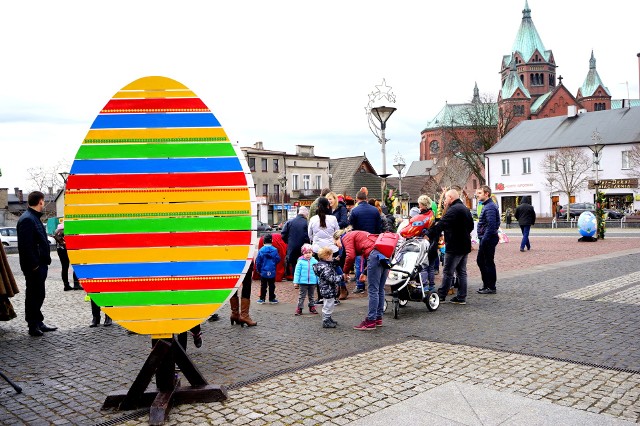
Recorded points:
(324, 244)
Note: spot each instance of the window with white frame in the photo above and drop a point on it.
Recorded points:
(295, 182)
(505, 167)
(526, 165)
(318, 181)
(626, 163)
(306, 181)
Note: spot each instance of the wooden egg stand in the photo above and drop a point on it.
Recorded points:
(152, 237)
(161, 362)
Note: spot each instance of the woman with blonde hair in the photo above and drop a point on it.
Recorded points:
(338, 209)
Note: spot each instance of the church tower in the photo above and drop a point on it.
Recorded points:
(535, 65)
(593, 94)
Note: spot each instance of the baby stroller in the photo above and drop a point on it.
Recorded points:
(407, 278)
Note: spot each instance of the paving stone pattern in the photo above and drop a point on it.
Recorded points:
(571, 351)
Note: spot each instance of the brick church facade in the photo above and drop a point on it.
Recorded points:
(529, 90)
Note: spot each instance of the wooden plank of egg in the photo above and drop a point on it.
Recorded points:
(160, 210)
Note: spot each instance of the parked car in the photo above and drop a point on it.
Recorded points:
(263, 227)
(575, 209)
(9, 237)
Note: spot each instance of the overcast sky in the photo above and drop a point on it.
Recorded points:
(284, 72)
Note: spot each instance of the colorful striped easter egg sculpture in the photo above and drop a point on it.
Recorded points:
(159, 210)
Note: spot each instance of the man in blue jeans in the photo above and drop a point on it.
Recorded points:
(363, 217)
(360, 243)
(457, 224)
(526, 217)
(488, 240)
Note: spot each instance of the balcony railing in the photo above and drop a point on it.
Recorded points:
(278, 198)
(307, 192)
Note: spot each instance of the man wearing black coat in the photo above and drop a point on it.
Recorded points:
(295, 234)
(457, 225)
(526, 217)
(364, 217)
(35, 258)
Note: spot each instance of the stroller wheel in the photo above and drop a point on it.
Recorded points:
(432, 302)
(396, 308)
(403, 303)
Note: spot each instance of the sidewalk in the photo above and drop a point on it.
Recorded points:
(556, 345)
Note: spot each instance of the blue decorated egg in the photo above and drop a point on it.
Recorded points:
(587, 225)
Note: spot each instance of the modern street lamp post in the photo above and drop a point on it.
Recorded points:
(383, 113)
(282, 180)
(399, 166)
(596, 148)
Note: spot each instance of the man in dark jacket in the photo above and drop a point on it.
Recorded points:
(488, 225)
(457, 225)
(526, 217)
(294, 234)
(35, 258)
(363, 217)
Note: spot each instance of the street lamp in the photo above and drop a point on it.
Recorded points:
(382, 114)
(399, 166)
(64, 176)
(282, 180)
(596, 148)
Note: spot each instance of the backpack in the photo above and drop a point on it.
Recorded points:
(386, 243)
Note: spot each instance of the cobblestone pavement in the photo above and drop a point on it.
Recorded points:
(564, 327)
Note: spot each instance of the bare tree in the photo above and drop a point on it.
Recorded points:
(567, 170)
(452, 171)
(473, 128)
(47, 180)
(634, 161)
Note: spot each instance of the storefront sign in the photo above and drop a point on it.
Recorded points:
(614, 183)
(512, 186)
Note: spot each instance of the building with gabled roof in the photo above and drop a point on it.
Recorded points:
(349, 174)
(514, 165)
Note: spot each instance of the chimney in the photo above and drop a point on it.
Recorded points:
(16, 191)
(258, 145)
(51, 190)
(572, 111)
(20, 197)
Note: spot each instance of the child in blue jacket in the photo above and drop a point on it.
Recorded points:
(266, 262)
(306, 279)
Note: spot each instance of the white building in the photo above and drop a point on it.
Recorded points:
(514, 165)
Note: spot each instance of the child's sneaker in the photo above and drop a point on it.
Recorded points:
(333, 321)
(327, 323)
(312, 310)
(260, 302)
(298, 312)
(378, 322)
(366, 325)
(274, 302)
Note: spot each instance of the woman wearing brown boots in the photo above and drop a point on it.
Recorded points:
(240, 307)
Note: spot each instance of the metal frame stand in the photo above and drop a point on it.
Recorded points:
(164, 356)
